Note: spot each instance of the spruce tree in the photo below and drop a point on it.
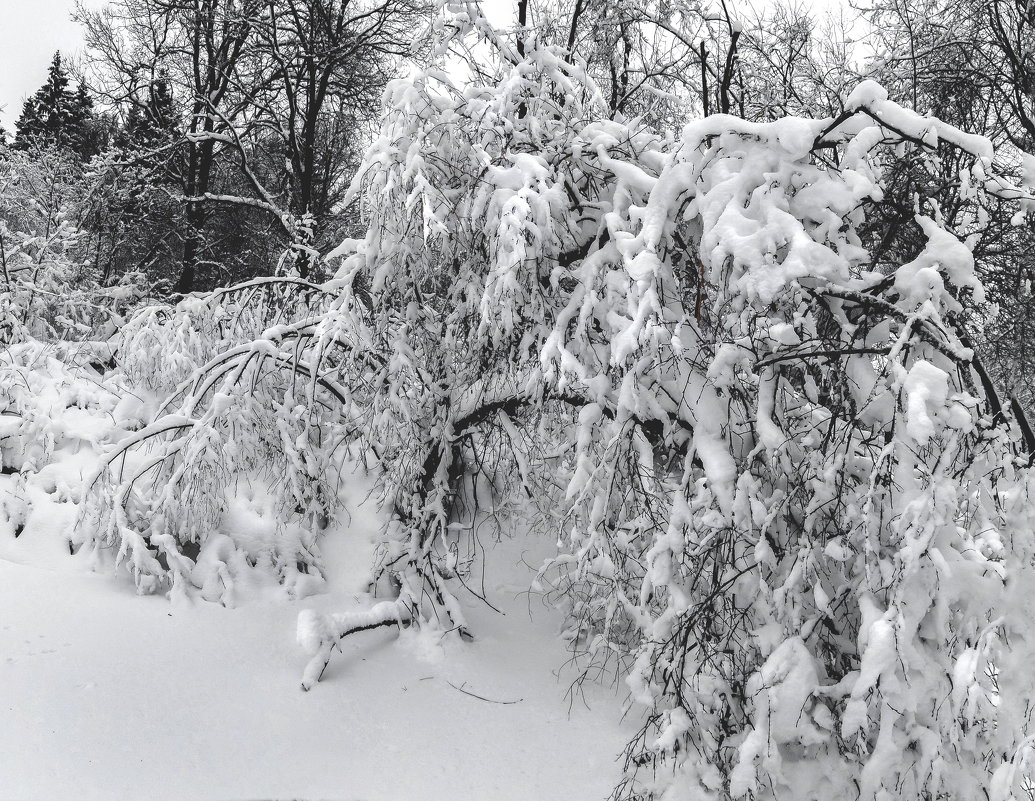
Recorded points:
(58, 117)
(151, 124)
(87, 135)
(29, 125)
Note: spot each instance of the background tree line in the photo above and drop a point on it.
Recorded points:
(206, 141)
(211, 140)
(215, 137)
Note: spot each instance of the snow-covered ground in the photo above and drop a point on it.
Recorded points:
(108, 695)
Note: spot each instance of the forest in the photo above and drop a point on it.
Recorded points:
(718, 319)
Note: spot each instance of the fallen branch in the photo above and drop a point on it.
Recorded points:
(480, 697)
(321, 634)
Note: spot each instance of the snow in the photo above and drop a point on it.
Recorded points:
(115, 696)
(866, 93)
(789, 679)
(877, 660)
(928, 400)
(920, 279)
(120, 697)
(926, 388)
(110, 695)
(750, 391)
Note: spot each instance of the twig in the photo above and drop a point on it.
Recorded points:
(480, 697)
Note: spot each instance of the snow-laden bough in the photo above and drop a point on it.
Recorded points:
(787, 498)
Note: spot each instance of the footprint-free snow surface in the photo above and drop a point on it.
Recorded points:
(108, 695)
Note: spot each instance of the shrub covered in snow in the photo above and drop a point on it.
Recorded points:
(245, 423)
(49, 287)
(785, 495)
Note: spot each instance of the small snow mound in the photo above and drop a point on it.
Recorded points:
(927, 388)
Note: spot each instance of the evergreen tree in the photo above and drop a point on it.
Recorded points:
(87, 132)
(135, 214)
(28, 125)
(58, 117)
(152, 123)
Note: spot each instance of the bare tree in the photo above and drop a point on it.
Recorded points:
(200, 45)
(330, 60)
(274, 95)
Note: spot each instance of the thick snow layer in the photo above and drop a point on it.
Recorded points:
(108, 695)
